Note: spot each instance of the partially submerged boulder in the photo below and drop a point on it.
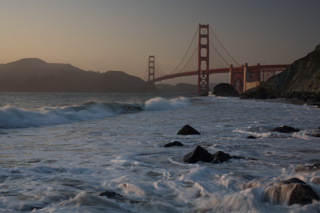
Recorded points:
(285, 129)
(316, 181)
(201, 154)
(220, 157)
(174, 143)
(198, 154)
(188, 130)
(225, 89)
(291, 191)
(312, 168)
(117, 197)
(258, 92)
(204, 94)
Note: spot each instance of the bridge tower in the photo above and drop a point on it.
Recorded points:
(203, 58)
(151, 71)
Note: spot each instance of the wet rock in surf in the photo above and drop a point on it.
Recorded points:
(292, 180)
(198, 154)
(251, 137)
(188, 130)
(115, 196)
(220, 157)
(291, 191)
(312, 168)
(316, 135)
(225, 89)
(316, 181)
(285, 129)
(204, 94)
(174, 143)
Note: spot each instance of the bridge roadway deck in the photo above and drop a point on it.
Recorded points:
(255, 68)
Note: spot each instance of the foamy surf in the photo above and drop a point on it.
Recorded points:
(14, 117)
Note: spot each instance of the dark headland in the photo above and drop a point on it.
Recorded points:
(35, 75)
(300, 81)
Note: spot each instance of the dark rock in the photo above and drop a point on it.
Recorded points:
(285, 129)
(291, 191)
(188, 130)
(204, 94)
(316, 181)
(313, 168)
(225, 89)
(246, 95)
(272, 97)
(258, 92)
(220, 157)
(174, 143)
(261, 96)
(237, 157)
(302, 194)
(251, 137)
(198, 154)
(316, 135)
(117, 197)
(109, 194)
(291, 180)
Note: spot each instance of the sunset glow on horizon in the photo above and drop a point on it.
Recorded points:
(120, 35)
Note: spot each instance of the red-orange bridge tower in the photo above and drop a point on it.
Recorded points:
(242, 77)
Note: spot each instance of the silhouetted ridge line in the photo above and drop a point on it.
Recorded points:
(36, 75)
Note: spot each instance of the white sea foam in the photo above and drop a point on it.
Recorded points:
(118, 147)
(13, 117)
(157, 104)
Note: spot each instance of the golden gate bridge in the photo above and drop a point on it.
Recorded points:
(242, 77)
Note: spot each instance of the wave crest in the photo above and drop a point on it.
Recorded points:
(14, 117)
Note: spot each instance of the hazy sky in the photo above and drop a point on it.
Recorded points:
(102, 35)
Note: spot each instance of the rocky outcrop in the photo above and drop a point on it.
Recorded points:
(174, 143)
(285, 129)
(188, 130)
(198, 154)
(224, 89)
(291, 191)
(220, 157)
(316, 181)
(312, 168)
(259, 92)
(201, 154)
(300, 80)
(117, 197)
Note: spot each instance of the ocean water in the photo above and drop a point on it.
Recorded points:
(58, 152)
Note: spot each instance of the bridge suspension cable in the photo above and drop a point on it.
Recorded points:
(186, 53)
(145, 78)
(219, 53)
(195, 50)
(222, 47)
(160, 70)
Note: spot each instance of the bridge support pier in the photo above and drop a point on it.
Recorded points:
(230, 74)
(246, 77)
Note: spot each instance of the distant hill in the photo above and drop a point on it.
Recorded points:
(35, 75)
(180, 88)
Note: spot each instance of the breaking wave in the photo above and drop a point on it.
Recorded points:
(14, 117)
